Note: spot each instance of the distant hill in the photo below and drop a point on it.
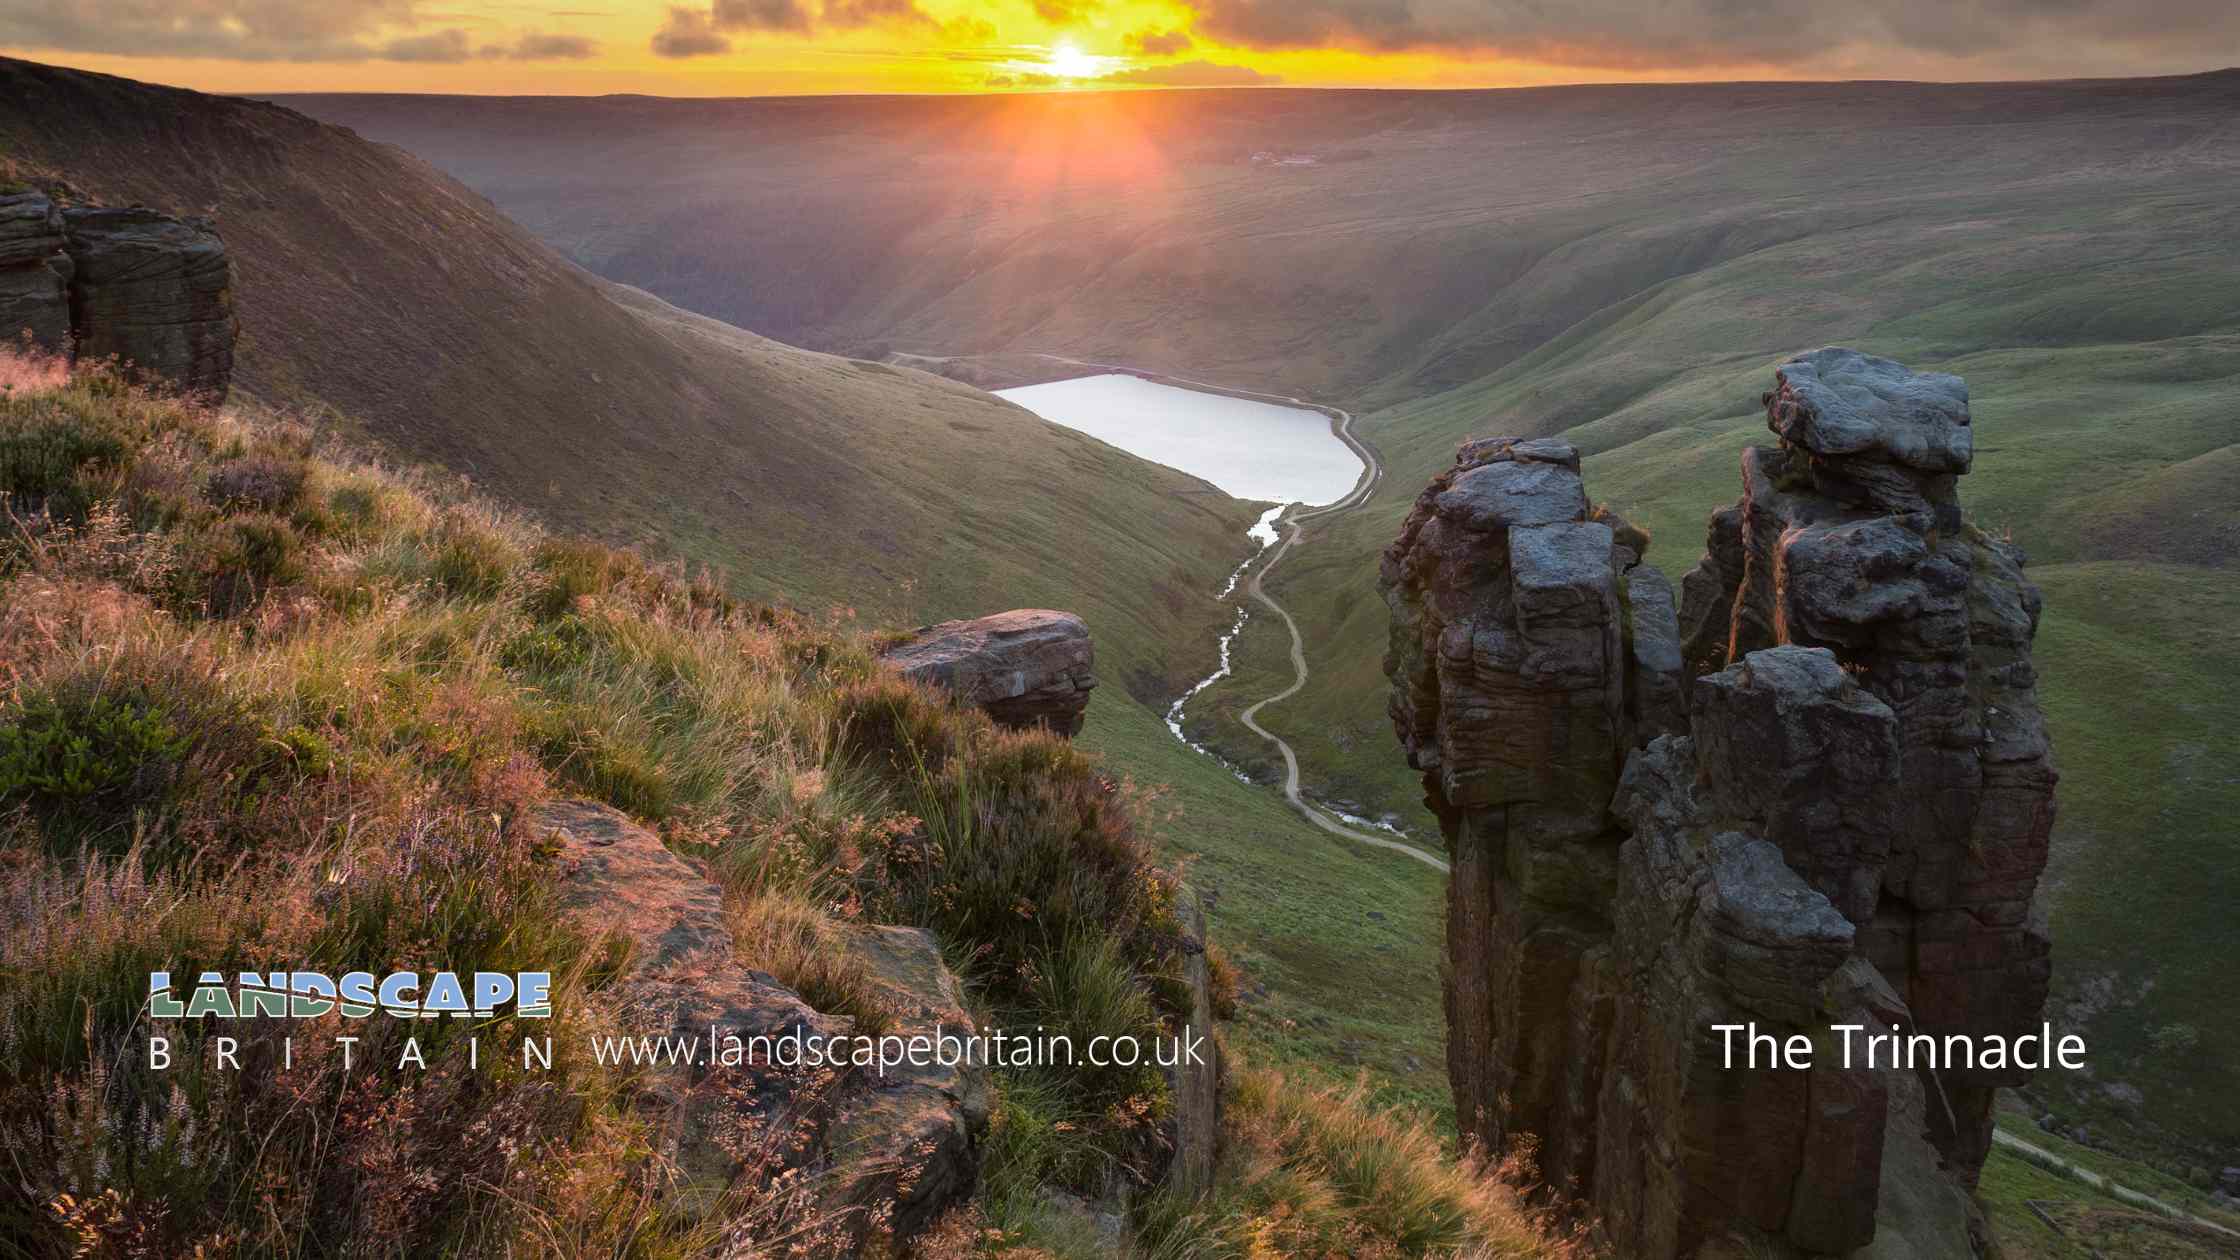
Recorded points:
(1622, 265)
(374, 288)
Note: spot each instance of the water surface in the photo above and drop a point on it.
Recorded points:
(1251, 450)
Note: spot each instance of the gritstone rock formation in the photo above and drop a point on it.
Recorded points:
(887, 1153)
(1826, 802)
(153, 291)
(34, 271)
(1028, 667)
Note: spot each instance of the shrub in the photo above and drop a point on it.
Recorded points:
(123, 747)
(241, 560)
(471, 559)
(1320, 1171)
(256, 484)
(43, 452)
(570, 569)
(807, 950)
(106, 749)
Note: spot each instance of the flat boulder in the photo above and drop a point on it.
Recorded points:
(1027, 668)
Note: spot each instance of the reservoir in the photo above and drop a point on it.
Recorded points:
(1252, 450)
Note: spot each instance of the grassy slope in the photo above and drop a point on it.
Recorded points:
(263, 703)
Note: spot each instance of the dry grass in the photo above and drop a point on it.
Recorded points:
(1319, 1171)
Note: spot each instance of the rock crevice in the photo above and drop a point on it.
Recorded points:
(1815, 792)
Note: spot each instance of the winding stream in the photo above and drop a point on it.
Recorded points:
(1269, 447)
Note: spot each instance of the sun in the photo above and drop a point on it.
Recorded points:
(1067, 61)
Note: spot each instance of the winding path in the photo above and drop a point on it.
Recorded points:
(2120, 1193)
(1341, 424)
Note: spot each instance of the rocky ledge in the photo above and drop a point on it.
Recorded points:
(152, 291)
(868, 1155)
(1030, 667)
(1817, 792)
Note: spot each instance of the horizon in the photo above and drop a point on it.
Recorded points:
(757, 48)
(1095, 89)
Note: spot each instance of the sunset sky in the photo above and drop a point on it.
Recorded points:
(751, 47)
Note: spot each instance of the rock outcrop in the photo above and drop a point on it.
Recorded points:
(906, 1143)
(881, 1154)
(1816, 793)
(152, 291)
(1030, 667)
(1514, 692)
(155, 292)
(34, 272)
(1194, 1128)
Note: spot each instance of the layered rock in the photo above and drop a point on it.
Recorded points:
(1030, 667)
(152, 291)
(1849, 536)
(155, 292)
(906, 1142)
(34, 272)
(878, 1154)
(1834, 804)
(1516, 692)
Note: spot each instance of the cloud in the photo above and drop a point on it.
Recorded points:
(1200, 73)
(756, 15)
(241, 30)
(689, 33)
(538, 46)
(1152, 42)
(1065, 12)
(1001, 80)
(1803, 34)
(441, 47)
(854, 13)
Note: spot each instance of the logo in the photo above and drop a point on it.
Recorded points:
(356, 994)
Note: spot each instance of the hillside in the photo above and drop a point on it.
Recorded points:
(266, 703)
(381, 299)
(1619, 265)
(373, 289)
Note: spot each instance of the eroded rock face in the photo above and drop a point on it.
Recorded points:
(151, 290)
(1816, 793)
(906, 1143)
(1849, 537)
(34, 272)
(1515, 693)
(1028, 667)
(882, 1155)
(154, 291)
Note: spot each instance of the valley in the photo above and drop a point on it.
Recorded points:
(1063, 351)
(1618, 265)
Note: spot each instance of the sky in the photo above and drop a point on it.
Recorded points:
(762, 47)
